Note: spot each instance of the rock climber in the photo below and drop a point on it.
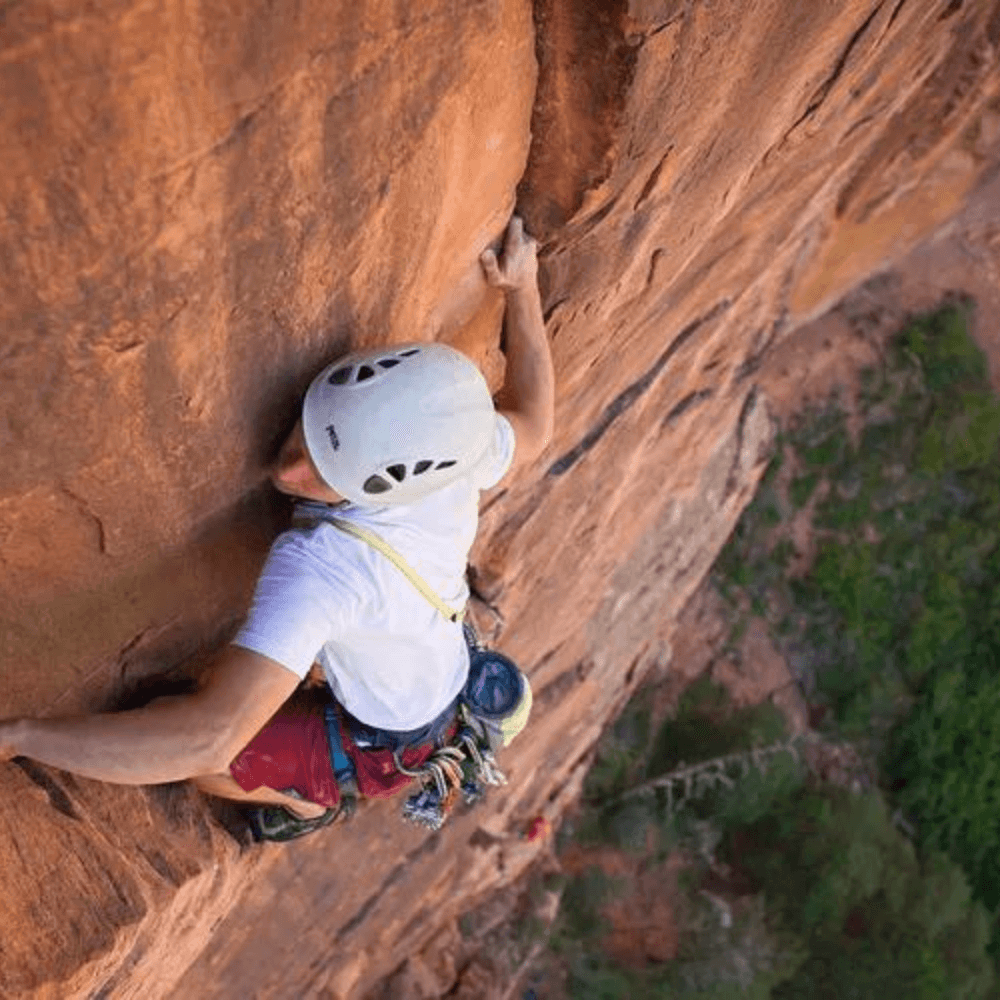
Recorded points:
(387, 461)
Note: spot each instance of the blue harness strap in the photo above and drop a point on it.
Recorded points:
(343, 767)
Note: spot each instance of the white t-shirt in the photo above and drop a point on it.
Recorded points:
(391, 658)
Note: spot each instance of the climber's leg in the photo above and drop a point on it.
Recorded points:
(286, 764)
(224, 786)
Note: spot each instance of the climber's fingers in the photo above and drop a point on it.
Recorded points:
(515, 236)
(7, 748)
(519, 258)
(491, 268)
(518, 241)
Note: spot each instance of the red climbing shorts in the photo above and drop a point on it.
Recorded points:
(292, 751)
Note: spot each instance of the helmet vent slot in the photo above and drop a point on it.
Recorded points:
(422, 466)
(410, 352)
(388, 363)
(445, 465)
(340, 376)
(376, 484)
(365, 372)
(398, 472)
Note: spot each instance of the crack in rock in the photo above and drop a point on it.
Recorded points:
(823, 91)
(647, 188)
(58, 798)
(84, 508)
(748, 407)
(626, 399)
(690, 400)
(427, 847)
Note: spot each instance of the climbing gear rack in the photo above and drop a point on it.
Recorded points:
(460, 768)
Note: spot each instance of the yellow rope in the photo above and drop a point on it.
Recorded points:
(401, 564)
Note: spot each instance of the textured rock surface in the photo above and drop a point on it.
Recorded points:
(824, 357)
(202, 204)
(107, 892)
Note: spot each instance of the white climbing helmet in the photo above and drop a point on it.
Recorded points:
(393, 426)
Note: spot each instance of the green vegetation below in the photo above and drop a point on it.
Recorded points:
(895, 630)
(832, 900)
(872, 919)
(892, 626)
(705, 728)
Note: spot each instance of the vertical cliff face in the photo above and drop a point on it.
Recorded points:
(202, 204)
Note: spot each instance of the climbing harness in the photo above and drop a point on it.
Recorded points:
(492, 709)
(467, 763)
(343, 768)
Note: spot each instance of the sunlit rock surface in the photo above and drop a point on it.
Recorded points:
(202, 204)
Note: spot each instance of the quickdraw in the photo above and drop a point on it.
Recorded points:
(462, 767)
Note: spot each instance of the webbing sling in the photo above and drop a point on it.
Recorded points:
(343, 767)
(400, 563)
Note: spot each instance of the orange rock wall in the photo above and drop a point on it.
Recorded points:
(204, 203)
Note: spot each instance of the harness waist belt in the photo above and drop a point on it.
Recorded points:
(371, 737)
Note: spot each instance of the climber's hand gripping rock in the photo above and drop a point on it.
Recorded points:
(519, 268)
(527, 397)
(7, 749)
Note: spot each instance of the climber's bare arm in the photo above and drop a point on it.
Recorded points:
(168, 740)
(527, 397)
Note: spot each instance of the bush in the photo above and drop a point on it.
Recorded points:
(844, 907)
(874, 920)
(896, 630)
(705, 728)
(946, 759)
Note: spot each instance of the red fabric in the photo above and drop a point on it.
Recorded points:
(377, 774)
(291, 751)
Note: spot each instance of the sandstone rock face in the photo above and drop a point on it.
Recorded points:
(202, 204)
(108, 892)
(200, 207)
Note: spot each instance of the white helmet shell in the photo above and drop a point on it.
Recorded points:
(393, 426)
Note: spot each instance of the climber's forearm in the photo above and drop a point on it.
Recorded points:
(528, 393)
(527, 397)
(168, 740)
(165, 741)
